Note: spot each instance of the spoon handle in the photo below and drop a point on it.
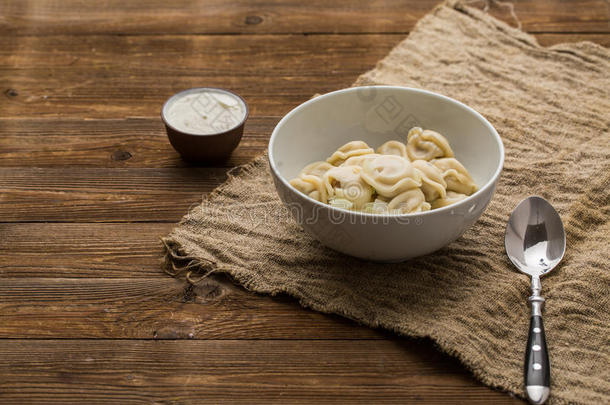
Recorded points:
(537, 367)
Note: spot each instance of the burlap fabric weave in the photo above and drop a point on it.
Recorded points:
(551, 106)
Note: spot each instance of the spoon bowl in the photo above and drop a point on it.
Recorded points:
(535, 239)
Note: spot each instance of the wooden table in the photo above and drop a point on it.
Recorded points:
(88, 184)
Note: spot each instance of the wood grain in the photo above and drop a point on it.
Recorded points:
(254, 372)
(127, 76)
(207, 55)
(103, 194)
(45, 17)
(157, 308)
(131, 76)
(82, 250)
(120, 143)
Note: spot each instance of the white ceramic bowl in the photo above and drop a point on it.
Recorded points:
(376, 114)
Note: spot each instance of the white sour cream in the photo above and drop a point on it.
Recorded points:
(205, 111)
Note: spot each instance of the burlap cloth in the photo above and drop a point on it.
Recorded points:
(551, 107)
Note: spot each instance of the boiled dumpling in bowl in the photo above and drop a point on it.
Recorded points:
(379, 206)
(409, 202)
(354, 148)
(433, 185)
(394, 179)
(393, 148)
(310, 182)
(451, 198)
(359, 160)
(456, 176)
(316, 169)
(390, 175)
(427, 145)
(346, 188)
(312, 186)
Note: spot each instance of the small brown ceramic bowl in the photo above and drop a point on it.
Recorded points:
(204, 124)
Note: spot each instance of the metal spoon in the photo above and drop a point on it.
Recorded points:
(535, 242)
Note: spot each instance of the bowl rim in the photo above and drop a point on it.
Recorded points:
(166, 104)
(489, 184)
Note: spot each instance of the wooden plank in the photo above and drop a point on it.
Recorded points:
(158, 308)
(103, 194)
(44, 17)
(110, 143)
(394, 371)
(553, 39)
(177, 55)
(207, 55)
(65, 250)
(133, 100)
(60, 77)
(118, 76)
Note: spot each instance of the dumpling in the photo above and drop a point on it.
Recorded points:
(427, 145)
(358, 160)
(376, 207)
(390, 175)
(354, 148)
(451, 198)
(341, 203)
(456, 176)
(310, 182)
(316, 169)
(393, 148)
(345, 183)
(312, 186)
(409, 202)
(433, 185)
(397, 178)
